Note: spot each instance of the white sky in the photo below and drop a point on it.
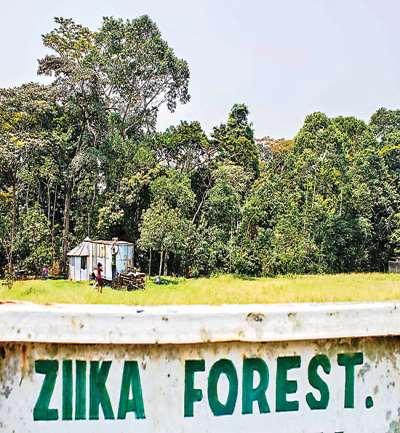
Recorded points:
(283, 58)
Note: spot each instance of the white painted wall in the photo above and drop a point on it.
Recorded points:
(178, 324)
(162, 341)
(76, 272)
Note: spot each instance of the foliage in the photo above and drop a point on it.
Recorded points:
(32, 248)
(81, 157)
(163, 229)
(7, 233)
(235, 140)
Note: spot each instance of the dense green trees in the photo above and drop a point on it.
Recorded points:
(331, 202)
(81, 157)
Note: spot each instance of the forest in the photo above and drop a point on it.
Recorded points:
(82, 157)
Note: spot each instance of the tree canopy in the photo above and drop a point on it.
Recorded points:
(82, 157)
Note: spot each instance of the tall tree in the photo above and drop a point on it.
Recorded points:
(27, 116)
(235, 140)
(164, 230)
(113, 79)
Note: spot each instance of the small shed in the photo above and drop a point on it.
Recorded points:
(394, 265)
(116, 256)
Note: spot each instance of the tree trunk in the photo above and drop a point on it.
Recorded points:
(165, 272)
(13, 223)
(161, 263)
(65, 243)
(53, 238)
(200, 205)
(90, 210)
(150, 263)
(48, 202)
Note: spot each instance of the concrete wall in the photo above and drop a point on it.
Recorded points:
(194, 369)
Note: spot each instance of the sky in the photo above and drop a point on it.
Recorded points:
(283, 58)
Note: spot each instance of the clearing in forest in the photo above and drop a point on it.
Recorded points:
(223, 289)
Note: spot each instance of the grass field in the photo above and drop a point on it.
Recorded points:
(225, 289)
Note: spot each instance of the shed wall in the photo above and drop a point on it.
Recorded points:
(101, 253)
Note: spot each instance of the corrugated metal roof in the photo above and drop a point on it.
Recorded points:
(80, 250)
(83, 248)
(111, 242)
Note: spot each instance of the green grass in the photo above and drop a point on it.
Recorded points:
(224, 289)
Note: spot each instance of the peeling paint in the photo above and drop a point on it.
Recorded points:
(186, 324)
(256, 317)
(394, 427)
(161, 369)
(329, 369)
